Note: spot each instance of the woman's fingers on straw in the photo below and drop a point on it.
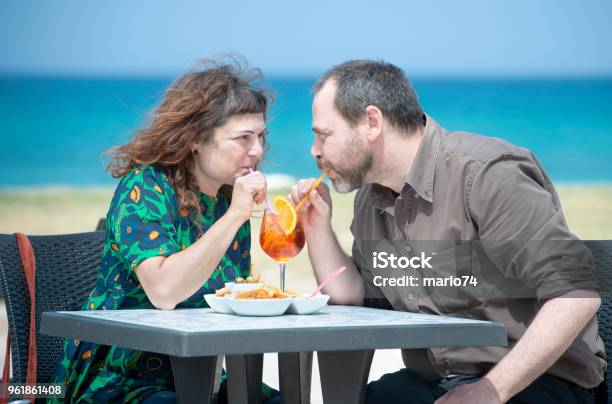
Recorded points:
(259, 197)
(256, 184)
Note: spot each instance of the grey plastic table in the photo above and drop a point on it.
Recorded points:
(344, 337)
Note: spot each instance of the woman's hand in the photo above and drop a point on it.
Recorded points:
(248, 189)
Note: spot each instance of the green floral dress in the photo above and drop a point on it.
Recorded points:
(144, 221)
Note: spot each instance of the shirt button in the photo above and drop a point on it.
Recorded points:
(411, 296)
(409, 248)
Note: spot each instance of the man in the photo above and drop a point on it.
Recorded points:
(417, 182)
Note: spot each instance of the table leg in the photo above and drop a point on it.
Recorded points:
(194, 378)
(295, 373)
(344, 375)
(218, 373)
(244, 374)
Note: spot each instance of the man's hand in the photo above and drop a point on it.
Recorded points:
(316, 212)
(480, 392)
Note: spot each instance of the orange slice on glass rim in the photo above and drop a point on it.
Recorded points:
(285, 214)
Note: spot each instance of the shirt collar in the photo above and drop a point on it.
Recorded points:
(383, 198)
(421, 175)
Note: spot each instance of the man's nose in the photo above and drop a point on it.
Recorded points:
(315, 149)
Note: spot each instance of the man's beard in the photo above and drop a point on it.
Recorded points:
(349, 178)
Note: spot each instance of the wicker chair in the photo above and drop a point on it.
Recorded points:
(101, 224)
(602, 253)
(66, 271)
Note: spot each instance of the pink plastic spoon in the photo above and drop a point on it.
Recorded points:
(327, 280)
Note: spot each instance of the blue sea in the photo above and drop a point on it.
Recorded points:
(53, 131)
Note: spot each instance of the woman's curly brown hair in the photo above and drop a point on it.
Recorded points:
(194, 105)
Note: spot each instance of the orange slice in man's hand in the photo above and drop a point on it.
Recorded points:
(285, 214)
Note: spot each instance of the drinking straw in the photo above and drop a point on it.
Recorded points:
(266, 201)
(305, 197)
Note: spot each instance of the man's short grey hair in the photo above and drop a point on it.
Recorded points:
(368, 82)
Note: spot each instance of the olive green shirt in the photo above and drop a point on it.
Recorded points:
(466, 187)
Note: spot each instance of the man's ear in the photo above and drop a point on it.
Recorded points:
(374, 122)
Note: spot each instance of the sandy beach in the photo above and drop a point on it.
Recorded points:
(587, 208)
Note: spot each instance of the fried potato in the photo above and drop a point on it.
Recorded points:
(266, 292)
(292, 292)
(249, 279)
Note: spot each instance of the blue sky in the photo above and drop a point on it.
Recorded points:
(427, 38)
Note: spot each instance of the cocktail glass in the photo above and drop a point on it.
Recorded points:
(279, 245)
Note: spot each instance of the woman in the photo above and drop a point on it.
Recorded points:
(178, 224)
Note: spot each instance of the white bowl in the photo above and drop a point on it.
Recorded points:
(244, 287)
(218, 303)
(259, 307)
(307, 305)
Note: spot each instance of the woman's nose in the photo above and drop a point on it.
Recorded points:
(257, 149)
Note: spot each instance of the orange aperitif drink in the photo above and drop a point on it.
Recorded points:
(281, 235)
(279, 246)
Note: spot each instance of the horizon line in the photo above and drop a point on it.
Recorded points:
(307, 76)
